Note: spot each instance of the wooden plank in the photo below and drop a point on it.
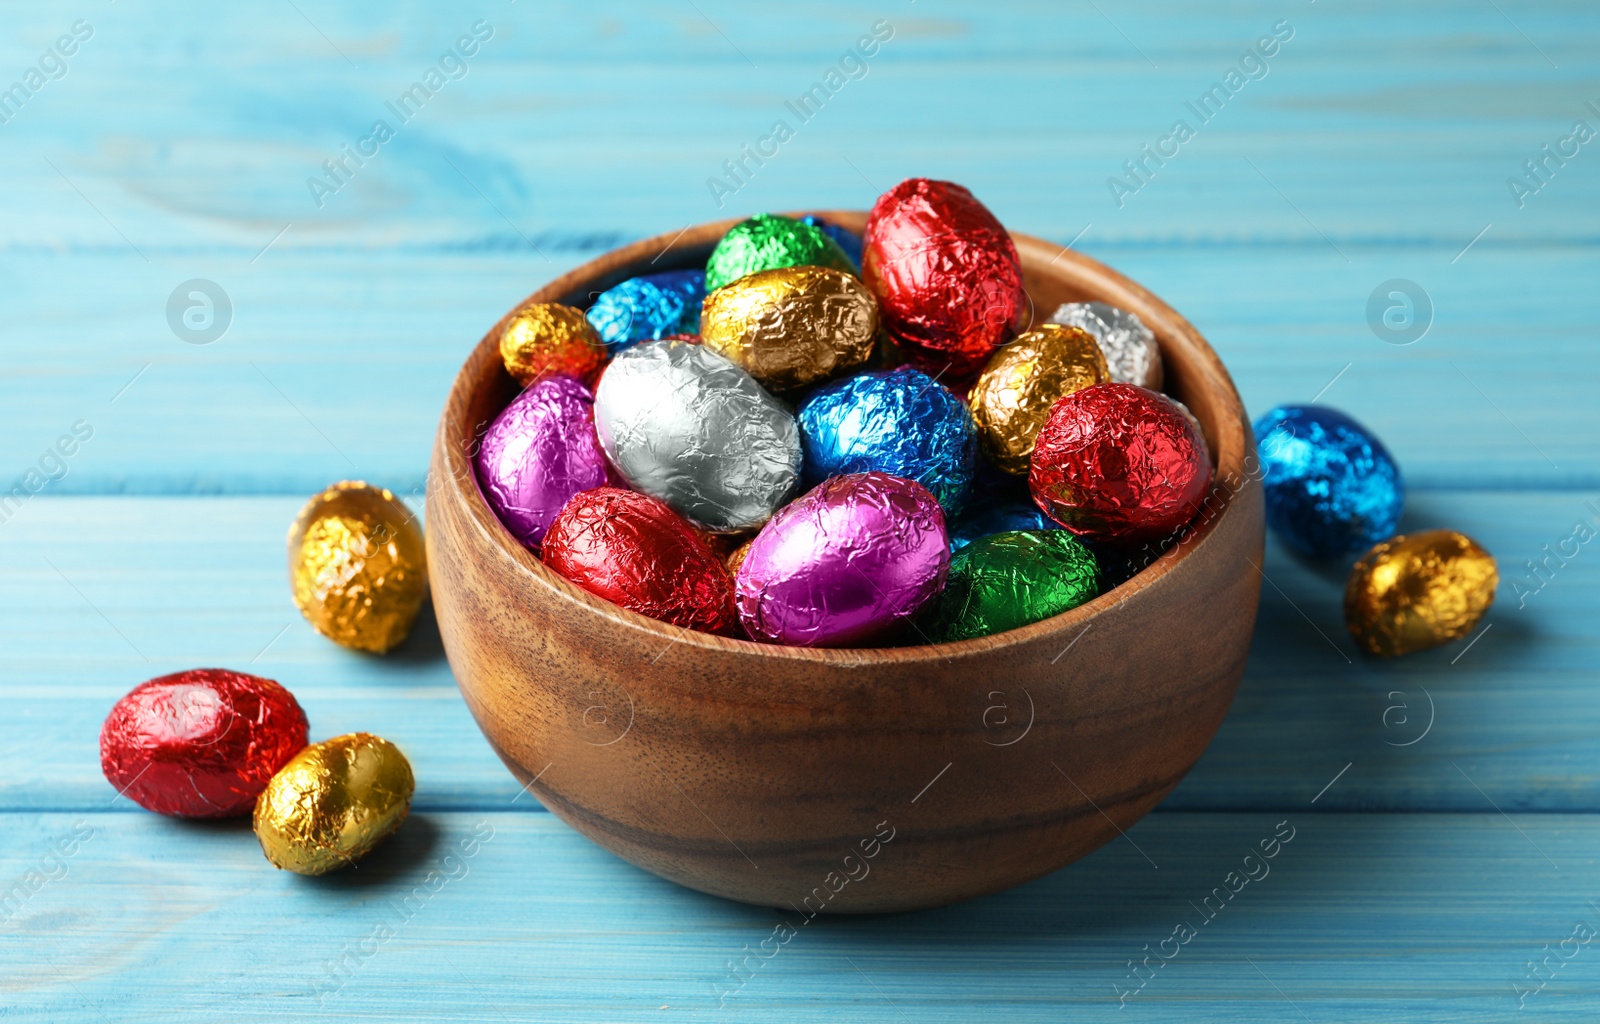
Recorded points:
(185, 582)
(1356, 918)
(1369, 120)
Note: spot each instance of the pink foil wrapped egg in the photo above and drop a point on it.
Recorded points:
(852, 557)
(539, 452)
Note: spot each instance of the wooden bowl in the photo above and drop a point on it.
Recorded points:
(850, 780)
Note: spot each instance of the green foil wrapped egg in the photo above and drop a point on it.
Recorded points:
(1008, 580)
(766, 242)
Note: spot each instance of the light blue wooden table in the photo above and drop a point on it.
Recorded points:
(1443, 807)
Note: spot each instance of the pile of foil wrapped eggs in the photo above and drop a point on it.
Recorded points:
(213, 743)
(821, 439)
(1333, 491)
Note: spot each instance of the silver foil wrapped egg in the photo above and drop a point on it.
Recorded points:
(685, 425)
(1129, 346)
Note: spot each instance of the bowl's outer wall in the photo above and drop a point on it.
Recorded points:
(768, 774)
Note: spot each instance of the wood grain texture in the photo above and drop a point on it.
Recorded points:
(1363, 918)
(662, 743)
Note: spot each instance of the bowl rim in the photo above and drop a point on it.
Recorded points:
(1230, 443)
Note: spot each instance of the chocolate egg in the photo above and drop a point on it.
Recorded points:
(648, 307)
(546, 337)
(1331, 487)
(767, 241)
(847, 240)
(333, 803)
(982, 519)
(1130, 348)
(1120, 464)
(634, 551)
(357, 566)
(1008, 580)
(736, 557)
(1417, 591)
(844, 562)
(538, 453)
(201, 743)
(898, 421)
(792, 326)
(945, 273)
(683, 424)
(1022, 380)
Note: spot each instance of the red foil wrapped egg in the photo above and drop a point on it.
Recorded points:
(1119, 463)
(633, 550)
(945, 274)
(202, 743)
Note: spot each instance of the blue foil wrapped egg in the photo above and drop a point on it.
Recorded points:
(1332, 488)
(983, 520)
(847, 240)
(901, 422)
(649, 307)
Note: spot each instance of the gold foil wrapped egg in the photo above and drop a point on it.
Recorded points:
(543, 338)
(792, 326)
(1417, 591)
(1022, 380)
(736, 556)
(358, 567)
(334, 802)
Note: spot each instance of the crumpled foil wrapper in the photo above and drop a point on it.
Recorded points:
(792, 326)
(1022, 380)
(634, 551)
(844, 563)
(1418, 591)
(539, 452)
(333, 803)
(684, 424)
(201, 743)
(1332, 489)
(767, 241)
(1009, 580)
(1130, 348)
(898, 421)
(1120, 464)
(357, 566)
(945, 273)
(543, 338)
(648, 307)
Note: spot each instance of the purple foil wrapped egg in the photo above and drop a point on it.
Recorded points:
(852, 557)
(538, 453)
